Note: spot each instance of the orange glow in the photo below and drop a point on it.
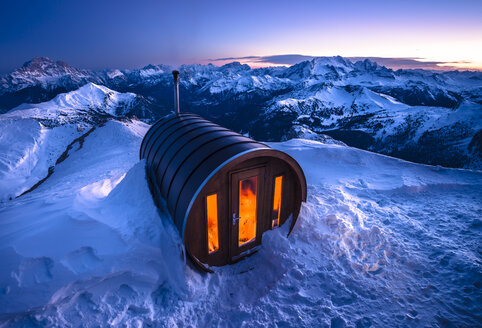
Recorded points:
(212, 214)
(277, 200)
(247, 210)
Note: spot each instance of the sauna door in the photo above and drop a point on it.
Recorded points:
(245, 210)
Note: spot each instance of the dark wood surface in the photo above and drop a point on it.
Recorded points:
(225, 184)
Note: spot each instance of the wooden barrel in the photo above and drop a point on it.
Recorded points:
(189, 158)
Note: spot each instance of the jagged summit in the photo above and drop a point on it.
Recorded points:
(236, 65)
(41, 79)
(336, 61)
(320, 68)
(40, 67)
(41, 63)
(367, 65)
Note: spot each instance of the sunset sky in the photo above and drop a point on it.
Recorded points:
(128, 34)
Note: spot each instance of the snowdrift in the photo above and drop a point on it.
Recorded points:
(380, 242)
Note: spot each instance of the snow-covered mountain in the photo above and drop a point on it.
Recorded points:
(414, 87)
(45, 72)
(424, 116)
(375, 121)
(41, 79)
(90, 102)
(35, 137)
(380, 243)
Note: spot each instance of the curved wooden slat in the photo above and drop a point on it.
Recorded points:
(183, 152)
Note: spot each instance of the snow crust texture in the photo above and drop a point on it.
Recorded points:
(380, 243)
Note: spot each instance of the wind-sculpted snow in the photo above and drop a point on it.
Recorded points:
(58, 243)
(379, 243)
(27, 151)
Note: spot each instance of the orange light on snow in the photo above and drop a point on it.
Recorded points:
(248, 189)
(212, 214)
(277, 201)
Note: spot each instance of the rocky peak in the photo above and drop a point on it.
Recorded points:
(236, 66)
(366, 65)
(46, 66)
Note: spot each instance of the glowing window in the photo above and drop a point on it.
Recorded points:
(277, 201)
(212, 215)
(248, 189)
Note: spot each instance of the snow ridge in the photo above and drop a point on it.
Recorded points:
(370, 247)
(34, 136)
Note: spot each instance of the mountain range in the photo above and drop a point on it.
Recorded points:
(380, 241)
(418, 115)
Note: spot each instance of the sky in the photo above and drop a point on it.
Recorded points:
(130, 34)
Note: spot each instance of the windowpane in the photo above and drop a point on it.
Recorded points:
(277, 201)
(212, 214)
(248, 189)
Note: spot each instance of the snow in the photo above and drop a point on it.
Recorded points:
(331, 93)
(334, 107)
(78, 228)
(27, 150)
(90, 97)
(42, 71)
(380, 242)
(150, 72)
(325, 65)
(246, 83)
(115, 73)
(234, 76)
(34, 136)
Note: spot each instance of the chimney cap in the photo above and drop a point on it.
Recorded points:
(175, 75)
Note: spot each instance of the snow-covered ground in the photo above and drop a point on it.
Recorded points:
(380, 242)
(34, 137)
(27, 150)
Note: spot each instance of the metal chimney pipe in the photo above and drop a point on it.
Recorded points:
(175, 74)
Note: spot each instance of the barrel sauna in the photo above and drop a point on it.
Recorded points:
(222, 189)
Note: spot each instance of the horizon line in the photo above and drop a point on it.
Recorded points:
(287, 60)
